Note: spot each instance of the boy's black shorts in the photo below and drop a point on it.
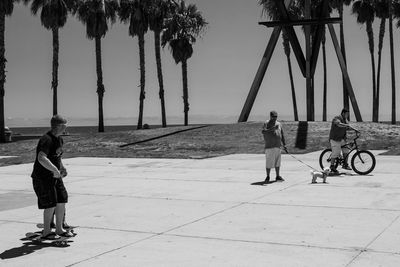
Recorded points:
(49, 192)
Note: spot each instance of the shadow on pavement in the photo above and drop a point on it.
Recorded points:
(26, 249)
(262, 183)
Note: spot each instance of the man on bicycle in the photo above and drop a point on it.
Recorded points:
(337, 138)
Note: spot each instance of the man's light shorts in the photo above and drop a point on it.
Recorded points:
(337, 149)
(272, 157)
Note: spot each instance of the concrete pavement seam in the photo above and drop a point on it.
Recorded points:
(263, 242)
(315, 206)
(162, 233)
(373, 240)
(109, 251)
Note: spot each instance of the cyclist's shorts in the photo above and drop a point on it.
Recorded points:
(336, 147)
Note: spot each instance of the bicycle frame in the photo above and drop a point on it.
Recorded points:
(352, 146)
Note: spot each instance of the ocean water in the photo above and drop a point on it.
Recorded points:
(171, 120)
(152, 121)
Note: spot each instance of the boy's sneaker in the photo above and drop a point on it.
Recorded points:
(334, 172)
(266, 181)
(346, 167)
(279, 179)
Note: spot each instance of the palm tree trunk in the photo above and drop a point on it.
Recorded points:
(142, 81)
(100, 85)
(286, 48)
(2, 73)
(393, 73)
(370, 34)
(378, 79)
(185, 91)
(346, 102)
(308, 47)
(296, 115)
(324, 107)
(157, 45)
(54, 82)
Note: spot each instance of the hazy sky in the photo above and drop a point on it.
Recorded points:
(220, 73)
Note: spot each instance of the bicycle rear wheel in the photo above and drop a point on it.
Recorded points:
(363, 162)
(325, 159)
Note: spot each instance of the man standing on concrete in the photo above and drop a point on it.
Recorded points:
(47, 175)
(274, 139)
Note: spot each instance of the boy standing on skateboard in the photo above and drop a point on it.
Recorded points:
(47, 175)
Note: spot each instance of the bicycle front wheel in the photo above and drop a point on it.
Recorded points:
(325, 159)
(363, 162)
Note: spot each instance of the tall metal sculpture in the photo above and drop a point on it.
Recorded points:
(306, 63)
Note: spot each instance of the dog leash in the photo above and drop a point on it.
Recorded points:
(299, 160)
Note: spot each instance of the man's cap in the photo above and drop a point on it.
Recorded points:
(273, 113)
(57, 120)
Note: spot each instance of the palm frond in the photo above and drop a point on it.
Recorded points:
(96, 17)
(36, 5)
(135, 12)
(364, 11)
(54, 13)
(125, 10)
(381, 9)
(181, 30)
(7, 6)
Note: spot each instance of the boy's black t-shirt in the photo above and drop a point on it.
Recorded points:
(52, 147)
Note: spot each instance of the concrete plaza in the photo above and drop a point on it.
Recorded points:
(208, 212)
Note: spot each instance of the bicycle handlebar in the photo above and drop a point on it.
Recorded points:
(358, 133)
(354, 129)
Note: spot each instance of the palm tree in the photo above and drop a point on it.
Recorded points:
(158, 12)
(54, 14)
(96, 14)
(365, 13)
(135, 12)
(182, 29)
(269, 8)
(6, 9)
(394, 11)
(382, 12)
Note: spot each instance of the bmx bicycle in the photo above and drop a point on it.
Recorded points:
(362, 161)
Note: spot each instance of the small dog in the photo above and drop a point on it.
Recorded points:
(317, 174)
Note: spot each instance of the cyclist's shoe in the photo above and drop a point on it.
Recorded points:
(334, 172)
(346, 167)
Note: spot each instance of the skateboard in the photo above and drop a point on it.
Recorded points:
(69, 229)
(36, 237)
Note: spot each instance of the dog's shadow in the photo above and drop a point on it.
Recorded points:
(262, 183)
